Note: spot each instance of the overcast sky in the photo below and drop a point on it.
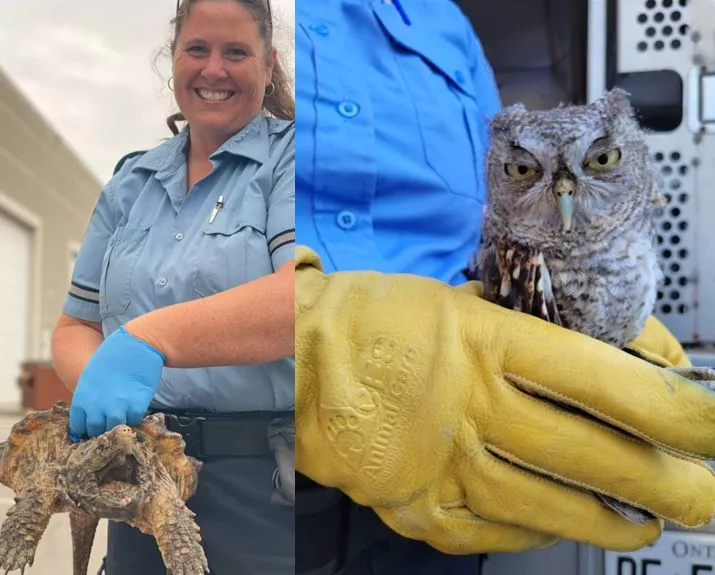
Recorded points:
(88, 67)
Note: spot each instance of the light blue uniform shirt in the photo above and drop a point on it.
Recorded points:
(393, 101)
(150, 245)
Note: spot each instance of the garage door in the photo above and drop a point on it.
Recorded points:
(15, 245)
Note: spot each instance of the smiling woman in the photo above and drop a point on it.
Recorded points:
(182, 294)
(220, 82)
(278, 100)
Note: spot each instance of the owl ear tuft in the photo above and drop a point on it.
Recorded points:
(616, 102)
(507, 118)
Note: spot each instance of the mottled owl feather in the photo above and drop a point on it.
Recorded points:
(516, 277)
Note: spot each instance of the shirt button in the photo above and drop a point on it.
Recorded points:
(459, 77)
(346, 219)
(162, 282)
(321, 29)
(348, 109)
(179, 236)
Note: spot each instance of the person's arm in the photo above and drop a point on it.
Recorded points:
(73, 343)
(78, 332)
(249, 324)
(252, 323)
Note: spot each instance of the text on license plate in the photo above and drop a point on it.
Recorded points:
(675, 553)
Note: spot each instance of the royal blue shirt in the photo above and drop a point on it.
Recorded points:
(393, 102)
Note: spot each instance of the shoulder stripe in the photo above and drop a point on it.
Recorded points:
(84, 287)
(84, 299)
(84, 294)
(279, 240)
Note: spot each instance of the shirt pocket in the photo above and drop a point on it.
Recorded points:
(434, 63)
(120, 259)
(233, 250)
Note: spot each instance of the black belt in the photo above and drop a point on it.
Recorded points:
(224, 434)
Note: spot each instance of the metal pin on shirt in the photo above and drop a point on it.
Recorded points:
(217, 207)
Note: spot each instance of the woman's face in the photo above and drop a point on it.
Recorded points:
(221, 68)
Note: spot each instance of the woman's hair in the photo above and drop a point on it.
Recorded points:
(279, 102)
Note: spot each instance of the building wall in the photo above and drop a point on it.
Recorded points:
(46, 187)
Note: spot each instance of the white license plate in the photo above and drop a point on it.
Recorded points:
(675, 553)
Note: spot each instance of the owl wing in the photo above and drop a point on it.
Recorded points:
(516, 277)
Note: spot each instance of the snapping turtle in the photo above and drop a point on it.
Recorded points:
(137, 475)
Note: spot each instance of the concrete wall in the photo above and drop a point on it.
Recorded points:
(46, 187)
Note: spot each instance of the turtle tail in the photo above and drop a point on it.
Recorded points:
(83, 527)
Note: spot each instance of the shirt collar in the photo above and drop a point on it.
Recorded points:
(250, 142)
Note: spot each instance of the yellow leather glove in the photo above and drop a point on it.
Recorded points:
(657, 344)
(477, 429)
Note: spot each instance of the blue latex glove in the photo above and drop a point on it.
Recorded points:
(116, 386)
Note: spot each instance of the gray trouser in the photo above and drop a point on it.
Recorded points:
(242, 532)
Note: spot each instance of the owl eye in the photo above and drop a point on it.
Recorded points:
(519, 171)
(604, 160)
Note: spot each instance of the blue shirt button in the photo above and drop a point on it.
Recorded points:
(348, 109)
(321, 29)
(162, 282)
(179, 236)
(346, 219)
(459, 77)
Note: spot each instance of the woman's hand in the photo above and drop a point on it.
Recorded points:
(116, 386)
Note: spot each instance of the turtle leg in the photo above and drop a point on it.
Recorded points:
(83, 527)
(177, 534)
(22, 530)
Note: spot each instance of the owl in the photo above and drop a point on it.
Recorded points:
(569, 231)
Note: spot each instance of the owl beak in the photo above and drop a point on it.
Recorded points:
(564, 189)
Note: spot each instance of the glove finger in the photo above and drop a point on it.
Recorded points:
(96, 424)
(114, 418)
(578, 450)
(135, 415)
(611, 385)
(78, 420)
(459, 532)
(656, 343)
(506, 493)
